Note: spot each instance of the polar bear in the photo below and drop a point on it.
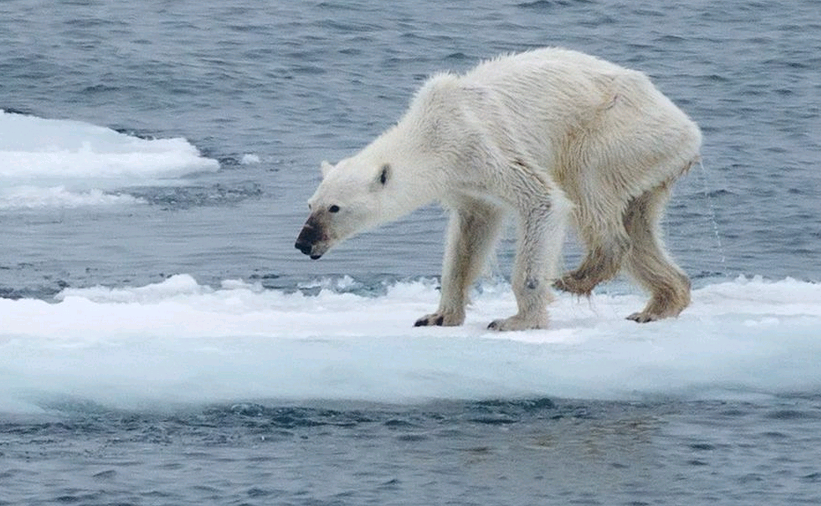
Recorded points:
(554, 136)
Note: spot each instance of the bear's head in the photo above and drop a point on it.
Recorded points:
(398, 172)
(353, 196)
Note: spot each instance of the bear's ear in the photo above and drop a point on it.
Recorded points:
(384, 174)
(325, 167)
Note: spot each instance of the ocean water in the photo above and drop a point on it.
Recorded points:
(162, 342)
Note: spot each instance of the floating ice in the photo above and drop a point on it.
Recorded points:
(249, 159)
(64, 163)
(180, 341)
(32, 197)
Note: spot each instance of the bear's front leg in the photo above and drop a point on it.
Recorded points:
(472, 232)
(541, 233)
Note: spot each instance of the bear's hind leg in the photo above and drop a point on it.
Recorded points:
(648, 262)
(472, 233)
(607, 247)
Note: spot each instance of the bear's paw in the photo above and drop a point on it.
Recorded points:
(644, 317)
(439, 320)
(576, 283)
(518, 322)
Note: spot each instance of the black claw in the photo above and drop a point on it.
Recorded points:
(428, 321)
(640, 318)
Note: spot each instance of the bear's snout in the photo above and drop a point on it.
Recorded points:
(308, 237)
(304, 247)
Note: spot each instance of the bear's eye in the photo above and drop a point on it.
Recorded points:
(334, 209)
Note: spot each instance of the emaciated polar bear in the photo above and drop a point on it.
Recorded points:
(553, 135)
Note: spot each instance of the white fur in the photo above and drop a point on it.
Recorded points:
(552, 135)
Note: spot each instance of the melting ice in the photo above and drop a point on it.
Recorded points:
(181, 341)
(63, 163)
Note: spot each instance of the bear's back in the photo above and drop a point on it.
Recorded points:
(557, 103)
(557, 85)
(561, 64)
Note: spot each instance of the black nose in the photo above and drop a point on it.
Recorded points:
(303, 246)
(308, 236)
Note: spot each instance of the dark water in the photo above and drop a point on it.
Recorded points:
(299, 82)
(492, 452)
